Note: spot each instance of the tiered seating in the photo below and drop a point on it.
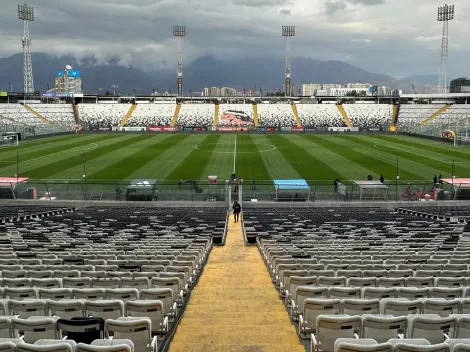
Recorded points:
(369, 117)
(276, 115)
(152, 115)
(235, 115)
(16, 114)
(128, 269)
(411, 116)
(320, 115)
(59, 114)
(448, 118)
(200, 115)
(373, 272)
(103, 115)
(457, 213)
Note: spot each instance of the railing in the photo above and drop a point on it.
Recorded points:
(37, 130)
(74, 190)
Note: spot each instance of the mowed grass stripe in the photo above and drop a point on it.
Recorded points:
(426, 166)
(47, 152)
(249, 161)
(353, 153)
(192, 167)
(438, 148)
(125, 167)
(48, 170)
(308, 166)
(41, 141)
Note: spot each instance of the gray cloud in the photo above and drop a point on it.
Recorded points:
(399, 37)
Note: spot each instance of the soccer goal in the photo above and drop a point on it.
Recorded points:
(462, 141)
(9, 139)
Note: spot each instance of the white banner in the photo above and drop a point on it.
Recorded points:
(132, 129)
(343, 129)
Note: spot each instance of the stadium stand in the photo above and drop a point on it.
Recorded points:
(59, 114)
(450, 117)
(125, 269)
(370, 117)
(200, 115)
(18, 115)
(320, 115)
(410, 116)
(103, 115)
(275, 115)
(152, 115)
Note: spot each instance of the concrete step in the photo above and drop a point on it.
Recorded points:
(236, 338)
(278, 314)
(255, 320)
(192, 347)
(246, 329)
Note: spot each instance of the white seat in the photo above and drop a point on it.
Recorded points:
(324, 281)
(139, 283)
(400, 306)
(138, 330)
(391, 282)
(88, 294)
(412, 293)
(76, 282)
(360, 347)
(7, 346)
(82, 347)
(440, 306)
(360, 306)
(123, 294)
(301, 294)
(105, 309)
(419, 342)
(433, 329)
(329, 328)
(362, 282)
(378, 292)
(314, 307)
(55, 293)
(66, 308)
(463, 328)
(344, 292)
(60, 347)
(402, 347)
(5, 328)
(445, 292)
(27, 308)
(297, 281)
(151, 309)
(165, 295)
(35, 328)
(383, 328)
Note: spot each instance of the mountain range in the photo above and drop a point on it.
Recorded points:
(266, 73)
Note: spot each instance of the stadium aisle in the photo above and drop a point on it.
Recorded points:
(235, 307)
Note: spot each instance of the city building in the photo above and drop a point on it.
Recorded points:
(68, 81)
(460, 85)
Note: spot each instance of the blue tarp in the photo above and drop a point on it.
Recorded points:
(291, 184)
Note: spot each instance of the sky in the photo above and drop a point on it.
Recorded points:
(396, 37)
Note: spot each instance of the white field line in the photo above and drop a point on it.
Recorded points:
(235, 155)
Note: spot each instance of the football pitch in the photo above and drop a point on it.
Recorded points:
(318, 158)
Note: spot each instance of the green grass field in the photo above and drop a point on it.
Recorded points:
(317, 158)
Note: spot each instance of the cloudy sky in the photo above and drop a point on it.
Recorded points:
(396, 37)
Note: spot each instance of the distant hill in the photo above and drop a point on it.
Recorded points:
(427, 79)
(267, 74)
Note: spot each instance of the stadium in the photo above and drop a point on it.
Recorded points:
(119, 230)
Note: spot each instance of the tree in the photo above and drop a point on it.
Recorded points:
(107, 93)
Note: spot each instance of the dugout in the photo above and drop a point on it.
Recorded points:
(9, 187)
(142, 190)
(292, 190)
(457, 188)
(370, 190)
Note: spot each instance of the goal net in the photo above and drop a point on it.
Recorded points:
(462, 141)
(9, 140)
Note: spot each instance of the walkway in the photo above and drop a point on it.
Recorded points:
(235, 307)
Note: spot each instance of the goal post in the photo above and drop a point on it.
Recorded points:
(9, 139)
(461, 141)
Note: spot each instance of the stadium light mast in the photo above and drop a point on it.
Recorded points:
(444, 14)
(26, 14)
(288, 32)
(179, 32)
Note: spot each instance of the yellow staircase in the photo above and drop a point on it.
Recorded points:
(76, 113)
(393, 126)
(296, 114)
(345, 116)
(216, 117)
(175, 115)
(128, 115)
(255, 115)
(433, 116)
(235, 307)
(35, 113)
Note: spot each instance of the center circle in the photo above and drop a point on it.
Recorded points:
(266, 148)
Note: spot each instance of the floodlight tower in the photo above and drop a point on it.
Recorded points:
(444, 14)
(179, 32)
(26, 14)
(288, 32)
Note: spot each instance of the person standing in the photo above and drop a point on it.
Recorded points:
(236, 210)
(382, 179)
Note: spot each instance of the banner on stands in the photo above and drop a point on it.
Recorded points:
(268, 129)
(162, 129)
(132, 129)
(343, 129)
(232, 129)
(191, 129)
(298, 128)
(99, 128)
(448, 134)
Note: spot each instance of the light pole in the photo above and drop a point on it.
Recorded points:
(26, 14)
(444, 14)
(288, 32)
(179, 32)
